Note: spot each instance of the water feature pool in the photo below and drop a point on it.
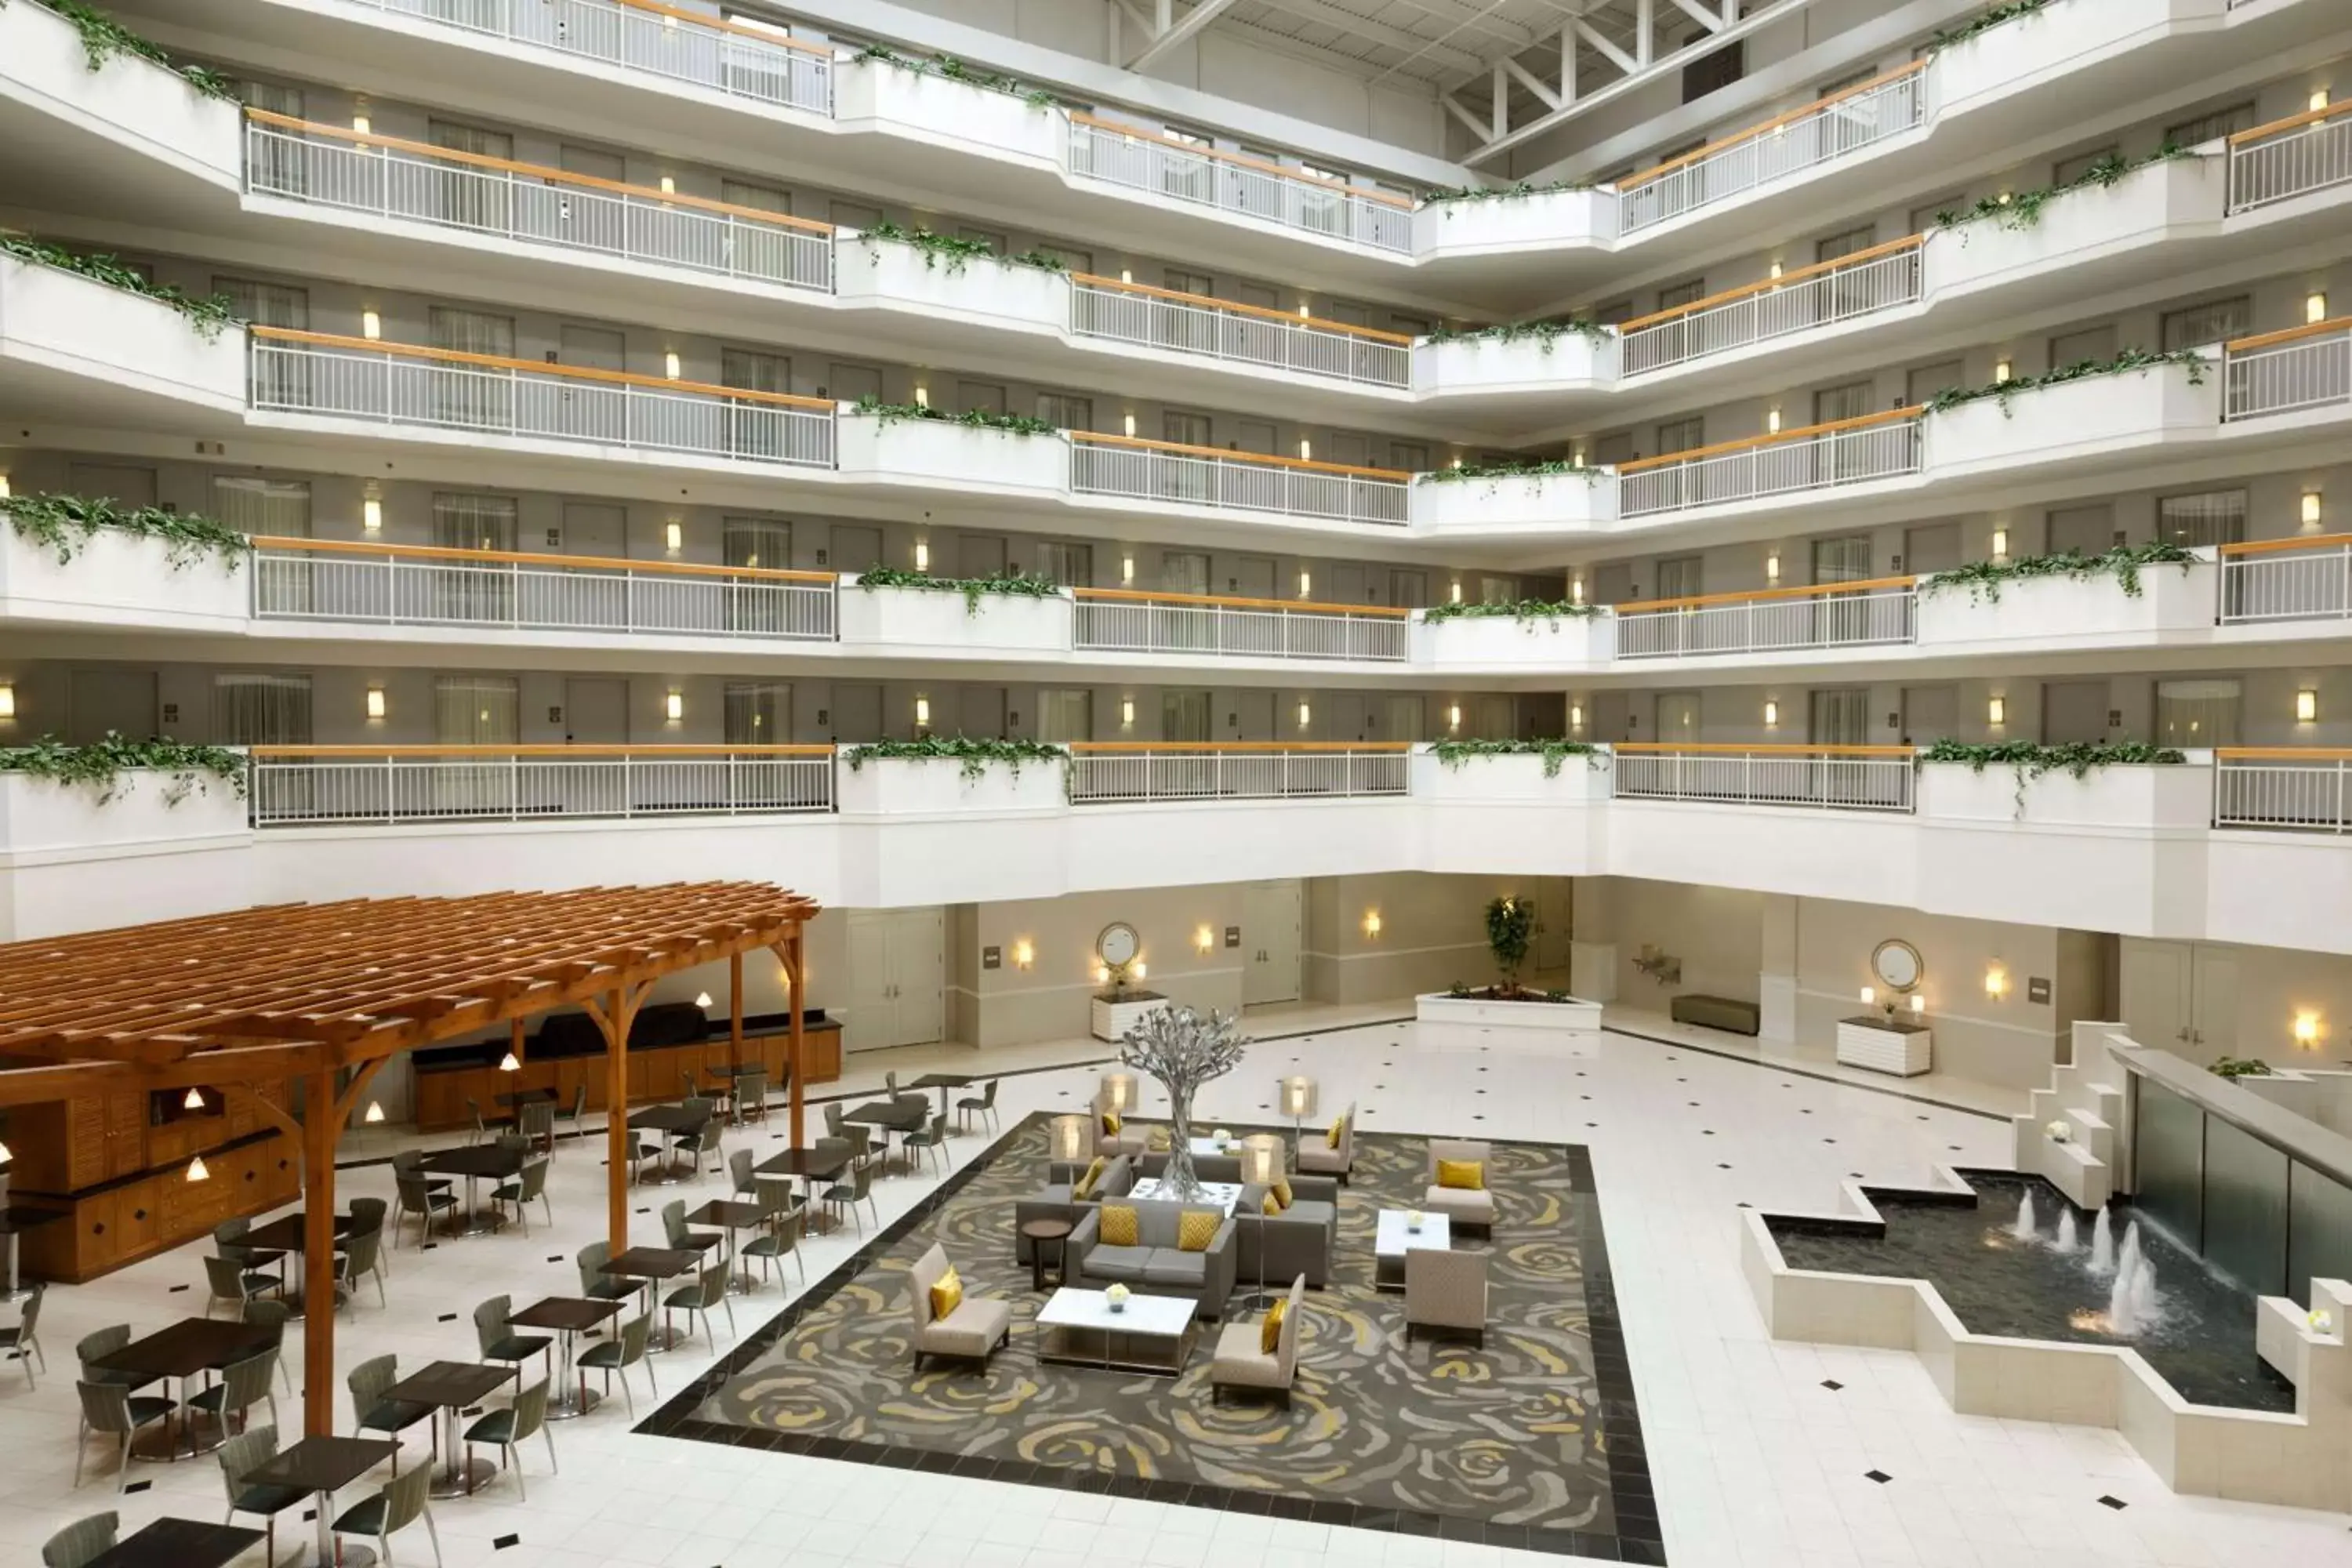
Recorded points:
(2198, 1332)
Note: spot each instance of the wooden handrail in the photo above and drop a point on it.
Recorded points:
(1644, 176)
(2284, 753)
(1220, 601)
(533, 558)
(703, 20)
(2289, 334)
(1241, 160)
(1134, 746)
(1817, 590)
(2292, 122)
(1094, 438)
(1714, 748)
(574, 371)
(2308, 541)
(1765, 286)
(1209, 303)
(566, 749)
(1801, 433)
(536, 171)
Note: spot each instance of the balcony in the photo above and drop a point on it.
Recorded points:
(387, 584)
(2287, 579)
(1111, 773)
(1139, 160)
(1166, 473)
(1831, 778)
(319, 785)
(2292, 157)
(1871, 614)
(2306, 367)
(1192, 324)
(1122, 620)
(1817, 456)
(2303, 789)
(1882, 277)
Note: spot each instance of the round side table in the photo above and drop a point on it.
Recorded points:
(1039, 1234)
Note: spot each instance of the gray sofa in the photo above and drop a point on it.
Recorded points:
(1054, 1201)
(1155, 1267)
(1208, 1167)
(1297, 1242)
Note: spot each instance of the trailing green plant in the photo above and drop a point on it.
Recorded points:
(1554, 753)
(956, 251)
(101, 764)
(1984, 22)
(1510, 930)
(1459, 195)
(951, 68)
(2240, 1067)
(1511, 468)
(210, 316)
(2028, 760)
(1542, 333)
(2140, 359)
(1016, 584)
(973, 419)
(2023, 209)
(68, 523)
(104, 38)
(974, 755)
(1527, 611)
(1983, 579)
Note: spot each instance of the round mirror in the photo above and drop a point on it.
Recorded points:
(1117, 944)
(1896, 964)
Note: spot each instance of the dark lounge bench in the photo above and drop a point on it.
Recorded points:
(1718, 1013)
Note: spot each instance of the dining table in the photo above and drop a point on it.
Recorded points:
(812, 1166)
(724, 1081)
(291, 1233)
(453, 1386)
(733, 1214)
(889, 1116)
(675, 1119)
(170, 1542)
(474, 1161)
(649, 1266)
(323, 1467)
(567, 1317)
(191, 1348)
(943, 1082)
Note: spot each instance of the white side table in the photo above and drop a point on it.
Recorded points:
(1886, 1045)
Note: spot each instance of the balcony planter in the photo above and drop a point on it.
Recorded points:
(2028, 54)
(1465, 366)
(942, 620)
(940, 786)
(1509, 642)
(115, 578)
(2106, 415)
(935, 452)
(140, 810)
(1574, 1014)
(1003, 295)
(144, 107)
(2164, 798)
(2150, 205)
(1504, 504)
(2173, 602)
(1490, 226)
(921, 105)
(1516, 778)
(67, 322)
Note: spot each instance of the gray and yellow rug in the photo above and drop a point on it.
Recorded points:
(1531, 1440)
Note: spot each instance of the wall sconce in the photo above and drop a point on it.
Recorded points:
(4, 487)
(2318, 100)
(1127, 423)
(1772, 567)
(1372, 922)
(2306, 706)
(511, 1063)
(1776, 272)
(2306, 1030)
(1306, 583)
(1918, 1005)
(1138, 969)
(371, 325)
(1771, 715)
(1576, 590)
(196, 1171)
(1203, 939)
(2314, 308)
(1305, 314)
(1127, 571)
(1870, 996)
(673, 705)
(1306, 715)
(670, 364)
(1305, 450)
(1127, 714)
(1996, 711)
(192, 1101)
(922, 712)
(1127, 274)
(1023, 953)
(7, 701)
(922, 556)
(1772, 422)
(1576, 458)
(361, 124)
(1455, 593)
(1576, 716)
(372, 515)
(2001, 369)
(923, 395)
(374, 1114)
(1454, 716)
(1996, 981)
(669, 184)
(2312, 506)
(2001, 544)
(1102, 974)
(375, 701)
(673, 536)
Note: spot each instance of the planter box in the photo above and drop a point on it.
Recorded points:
(1109, 1020)
(145, 108)
(933, 452)
(2057, 611)
(1570, 360)
(1509, 778)
(69, 323)
(962, 119)
(935, 787)
(41, 816)
(2176, 797)
(997, 294)
(936, 620)
(2099, 416)
(2159, 202)
(1541, 503)
(2023, 56)
(1573, 1014)
(1551, 221)
(1503, 643)
(116, 578)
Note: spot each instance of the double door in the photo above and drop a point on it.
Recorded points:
(2181, 996)
(1271, 919)
(897, 970)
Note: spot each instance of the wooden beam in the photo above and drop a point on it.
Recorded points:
(319, 1125)
(735, 1015)
(795, 956)
(614, 1015)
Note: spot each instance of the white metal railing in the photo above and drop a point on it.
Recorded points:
(1195, 477)
(2265, 168)
(1144, 161)
(1250, 337)
(1849, 452)
(2288, 580)
(2275, 787)
(1819, 297)
(514, 399)
(513, 204)
(1213, 773)
(2302, 370)
(391, 586)
(1795, 141)
(1241, 628)
(1866, 616)
(1836, 778)
(658, 40)
(296, 785)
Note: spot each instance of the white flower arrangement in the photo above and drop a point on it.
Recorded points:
(2060, 1131)
(1117, 1296)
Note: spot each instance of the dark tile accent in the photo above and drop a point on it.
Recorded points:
(501, 1542)
(2114, 1502)
(1881, 1477)
(452, 1317)
(1832, 1384)
(138, 1485)
(175, 1290)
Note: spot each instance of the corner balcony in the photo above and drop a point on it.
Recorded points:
(2301, 371)
(1843, 453)
(1131, 621)
(389, 785)
(1870, 282)
(1107, 773)
(2295, 789)
(1875, 612)
(2291, 158)
(2270, 582)
(1162, 474)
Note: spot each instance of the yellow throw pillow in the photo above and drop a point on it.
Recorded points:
(1281, 1194)
(1462, 1176)
(1269, 1334)
(1156, 1140)
(1110, 1123)
(946, 1294)
(1270, 1207)
(1195, 1228)
(1117, 1228)
(1087, 1183)
(1339, 1126)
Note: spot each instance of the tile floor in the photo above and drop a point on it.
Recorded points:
(1761, 1453)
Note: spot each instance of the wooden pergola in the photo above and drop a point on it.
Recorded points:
(309, 991)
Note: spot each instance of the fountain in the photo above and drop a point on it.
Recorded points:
(2024, 1228)
(2103, 1242)
(2122, 1318)
(2128, 1260)
(2069, 1242)
(2144, 1291)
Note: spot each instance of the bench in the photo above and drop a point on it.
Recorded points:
(1718, 1013)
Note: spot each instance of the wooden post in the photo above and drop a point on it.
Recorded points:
(796, 974)
(614, 1021)
(735, 1015)
(320, 1123)
(514, 1040)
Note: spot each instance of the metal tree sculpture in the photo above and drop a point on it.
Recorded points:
(1183, 1050)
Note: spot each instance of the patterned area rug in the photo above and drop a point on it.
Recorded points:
(1510, 1443)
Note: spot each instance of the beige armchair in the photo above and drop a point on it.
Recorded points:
(1242, 1361)
(1318, 1158)
(1445, 1291)
(970, 1332)
(1459, 1205)
(1131, 1136)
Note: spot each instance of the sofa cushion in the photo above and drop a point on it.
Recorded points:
(947, 1295)
(1117, 1262)
(971, 1329)
(1270, 1335)
(1087, 1184)
(1189, 1269)
(1196, 1230)
(1122, 1226)
(1282, 1197)
(1308, 1211)
(1462, 1175)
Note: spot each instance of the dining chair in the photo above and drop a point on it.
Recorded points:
(369, 1213)
(691, 1143)
(579, 1109)
(594, 1283)
(857, 1137)
(114, 1411)
(411, 1163)
(536, 1122)
(481, 1128)
(362, 1254)
(273, 1315)
(528, 1187)
(688, 1089)
(497, 1339)
(81, 1542)
(422, 1202)
(230, 1282)
(526, 1417)
(858, 1189)
(739, 1166)
(372, 1412)
(676, 1233)
(101, 1342)
(931, 1141)
(751, 1096)
(782, 1238)
(239, 1457)
(400, 1504)
(618, 1354)
(982, 1105)
(23, 1336)
(707, 1142)
(708, 1290)
(243, 1384)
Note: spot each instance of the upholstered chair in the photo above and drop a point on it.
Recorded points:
(1445, 1291)
(1243, 1362)
(970, 1332)
(1473, 1206)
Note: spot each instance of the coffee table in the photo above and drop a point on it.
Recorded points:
(1223, 1196)
(1391, 1240)
(1150, 1335)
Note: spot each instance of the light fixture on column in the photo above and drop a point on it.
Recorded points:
(1127, 714)
(673, 536)
(1772, 567)
(1455, 593)
(1996, 981)
(1576, 716)
(2001, 544)
(673, 705)
(1306, 715)
(1576, 590)
(1772, 421)
(371, 325)
(2306, 706)
(1126, 424)
(1776, 272)
(1305, 450)
(372, 515)
(1771, 714)
(2314, 308)
(2318, 100)
(2001, 369)
(923, 395)
(1372, 923)
(4, 487)
(1996, 711)
(7, 701)
(922, 712)
(1025, 953)
(192, 1101)
(1203, 939)
(1454, 716)
(922, 556)
(1306, 582)
(1127, 571)
(669, 184)
(196, 1171)
(375, 702)
(670, 366)
(2313, 509)
(361, 123)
